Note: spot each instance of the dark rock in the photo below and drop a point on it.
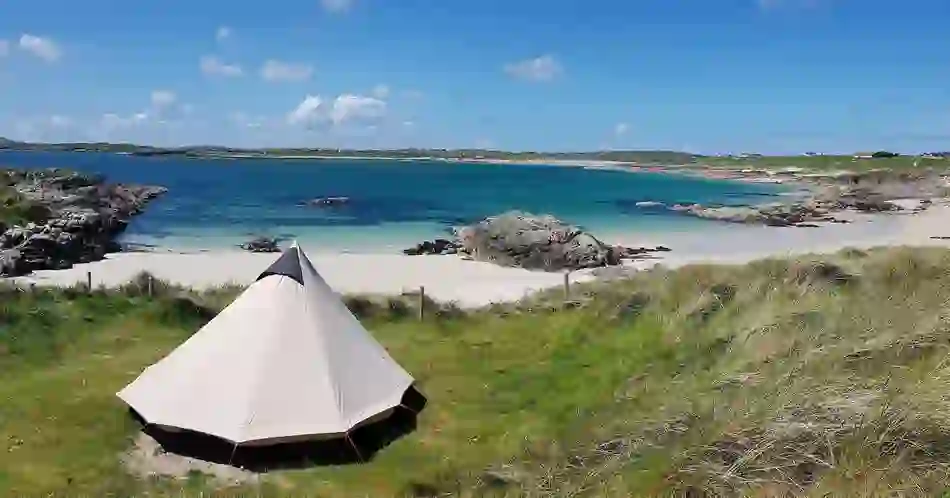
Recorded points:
(261, 244)
(328, 201)
(76, 218)
(437, 246)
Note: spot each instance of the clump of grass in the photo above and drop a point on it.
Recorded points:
(776, 378)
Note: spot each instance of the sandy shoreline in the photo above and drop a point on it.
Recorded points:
(470, 283)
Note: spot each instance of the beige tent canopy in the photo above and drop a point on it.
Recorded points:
(286, 361)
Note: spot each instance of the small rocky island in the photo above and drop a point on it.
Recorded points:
(532, 242)
(54, 218)
(829, 195)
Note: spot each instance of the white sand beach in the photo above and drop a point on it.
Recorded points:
(470, 283)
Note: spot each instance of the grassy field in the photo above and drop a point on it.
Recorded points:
(816, 377)
(827, 163)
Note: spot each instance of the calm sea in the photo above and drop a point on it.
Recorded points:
(220, 203)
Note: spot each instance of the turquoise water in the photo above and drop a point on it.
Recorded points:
(218, 203)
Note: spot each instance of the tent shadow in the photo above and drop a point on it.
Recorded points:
(361, 446)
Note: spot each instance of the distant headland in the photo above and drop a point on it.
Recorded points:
(805, 160)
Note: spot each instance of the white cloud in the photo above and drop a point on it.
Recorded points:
(349, 107)
(543, 68)
(408, 124)
(621, 129)
(307, 111)
(44, 48)
(274, 70)
(242, 119)
(346, 108)
(4, 48)
(223, 33)
(213, 66)
(380, 91)
(161, 99)
(58, 121)
(336, 5)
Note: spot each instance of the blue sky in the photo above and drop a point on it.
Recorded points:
(700, 75)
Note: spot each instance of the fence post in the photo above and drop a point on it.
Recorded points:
(567, 285)
(422, 302)
(89, 281)
(150, 285)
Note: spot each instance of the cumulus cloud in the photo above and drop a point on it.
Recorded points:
(307, 112)
(223, 33)
(621, 129)
(349, 107)
(543, 68)
(4, 48)
(380, 91)
(213, 66)
(336, 5)
(162, 99)
(44, 48)
(274, 70)
(345, 109)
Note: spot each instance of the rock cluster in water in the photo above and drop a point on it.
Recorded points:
(327, 201)
(75, 218)
(533, 242)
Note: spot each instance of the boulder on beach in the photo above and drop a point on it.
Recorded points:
(535, 242)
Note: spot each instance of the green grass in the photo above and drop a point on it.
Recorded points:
(777, 378)
(828, 163)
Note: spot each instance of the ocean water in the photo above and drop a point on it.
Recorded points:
(222, 202)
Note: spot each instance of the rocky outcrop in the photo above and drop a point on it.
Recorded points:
(538, 243)
(75, 218)
(820, 208)
(261, 244)
(532, 242)
(779, 215)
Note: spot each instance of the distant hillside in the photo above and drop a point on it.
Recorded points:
(649, 156)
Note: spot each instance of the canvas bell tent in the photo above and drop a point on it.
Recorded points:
(285, 362)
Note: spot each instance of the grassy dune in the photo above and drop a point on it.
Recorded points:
(815, 377)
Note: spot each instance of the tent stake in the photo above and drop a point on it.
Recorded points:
(233, 451)
(357, 450)
(422, 302)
